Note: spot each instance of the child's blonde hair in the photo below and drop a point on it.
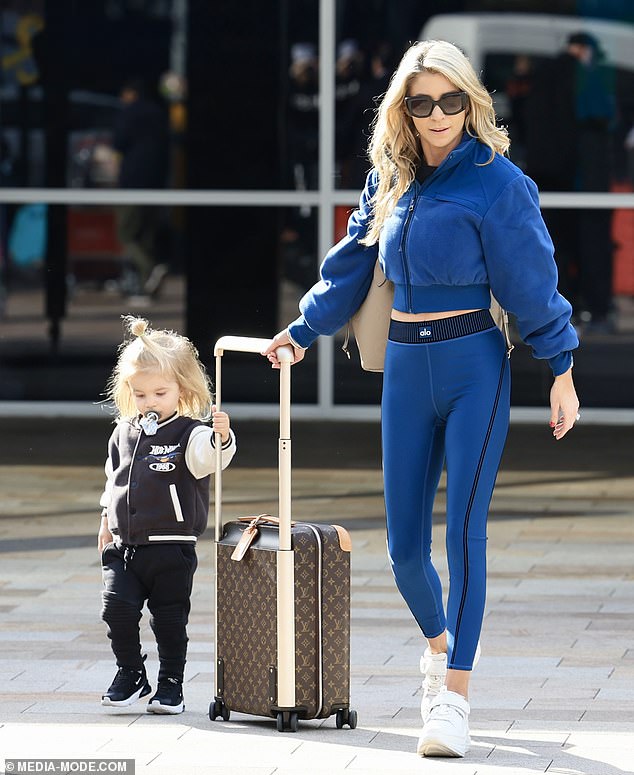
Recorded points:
(166, 353)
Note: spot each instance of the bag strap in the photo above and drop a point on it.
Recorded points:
(507, 335)
(261, 518)
(346, 341)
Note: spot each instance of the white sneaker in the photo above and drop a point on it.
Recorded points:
(446, 733)
(434, 670)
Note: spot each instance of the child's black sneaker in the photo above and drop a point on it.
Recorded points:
(129, 685)
(168, 697)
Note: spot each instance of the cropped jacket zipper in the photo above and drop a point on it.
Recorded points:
(418, 188)
(406, 272)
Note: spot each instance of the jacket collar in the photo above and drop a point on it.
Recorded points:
(465, 148)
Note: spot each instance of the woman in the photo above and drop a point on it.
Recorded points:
(451, 220)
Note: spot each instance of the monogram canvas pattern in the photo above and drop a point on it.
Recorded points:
(336, 622)
(306, 620)
(247, 627)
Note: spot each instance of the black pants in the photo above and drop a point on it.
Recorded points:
(163, 575)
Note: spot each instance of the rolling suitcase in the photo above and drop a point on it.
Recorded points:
(282, 634)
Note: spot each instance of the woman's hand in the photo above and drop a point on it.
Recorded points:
(564, 405)
(278, 340)
(104, 536)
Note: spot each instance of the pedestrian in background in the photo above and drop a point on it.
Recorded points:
(451, 220)
(141, 138)
(297, 236)
(571, 109)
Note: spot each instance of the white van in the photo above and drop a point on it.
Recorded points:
(492, 41)
(539, 35)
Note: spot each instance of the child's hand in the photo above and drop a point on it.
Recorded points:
(220, 423)
(104, 536)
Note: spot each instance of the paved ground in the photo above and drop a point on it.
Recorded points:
(554, 690)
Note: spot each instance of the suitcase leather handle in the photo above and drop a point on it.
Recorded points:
(262, 518)
(250, 532)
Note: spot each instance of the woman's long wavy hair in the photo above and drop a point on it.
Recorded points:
(166, 353)
(394, 148)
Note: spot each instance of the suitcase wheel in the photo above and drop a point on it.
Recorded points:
(218, 708)
(286, 721)
(346, 716)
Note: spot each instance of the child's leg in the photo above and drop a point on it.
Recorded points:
(169, 602)
(123, 598)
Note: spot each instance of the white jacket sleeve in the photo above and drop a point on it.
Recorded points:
(200, 455)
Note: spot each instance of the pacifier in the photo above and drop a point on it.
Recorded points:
(149, 423)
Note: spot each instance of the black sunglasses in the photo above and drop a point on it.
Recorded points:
(422, 105)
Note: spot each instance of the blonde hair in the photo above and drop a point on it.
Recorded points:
(166, 353)
(394, 148)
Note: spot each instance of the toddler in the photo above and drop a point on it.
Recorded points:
(155, 505)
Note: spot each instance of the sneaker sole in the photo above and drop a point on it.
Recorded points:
(170, 710)
(436, 748)
(143, 692)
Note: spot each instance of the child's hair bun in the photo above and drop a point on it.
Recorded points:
(136, 326)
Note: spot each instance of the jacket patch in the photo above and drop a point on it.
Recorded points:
(162, 466)
(163, 449)
(163, 457)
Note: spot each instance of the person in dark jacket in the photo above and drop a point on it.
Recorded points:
(155, 506)
(141, 138)
(570, 112)
(451, 220)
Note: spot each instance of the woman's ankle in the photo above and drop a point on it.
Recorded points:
(458, 681)
(438, 645)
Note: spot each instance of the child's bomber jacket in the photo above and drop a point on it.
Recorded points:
(469, 229)
(157, 486)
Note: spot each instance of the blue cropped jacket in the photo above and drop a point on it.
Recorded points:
(470, 229)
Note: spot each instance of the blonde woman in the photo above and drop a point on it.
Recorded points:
(155, 505)
(451, 219)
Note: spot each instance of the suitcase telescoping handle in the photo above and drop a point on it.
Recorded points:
(285, 356)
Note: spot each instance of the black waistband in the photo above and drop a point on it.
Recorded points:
(440, 330)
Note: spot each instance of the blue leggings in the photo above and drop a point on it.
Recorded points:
(443, 399)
